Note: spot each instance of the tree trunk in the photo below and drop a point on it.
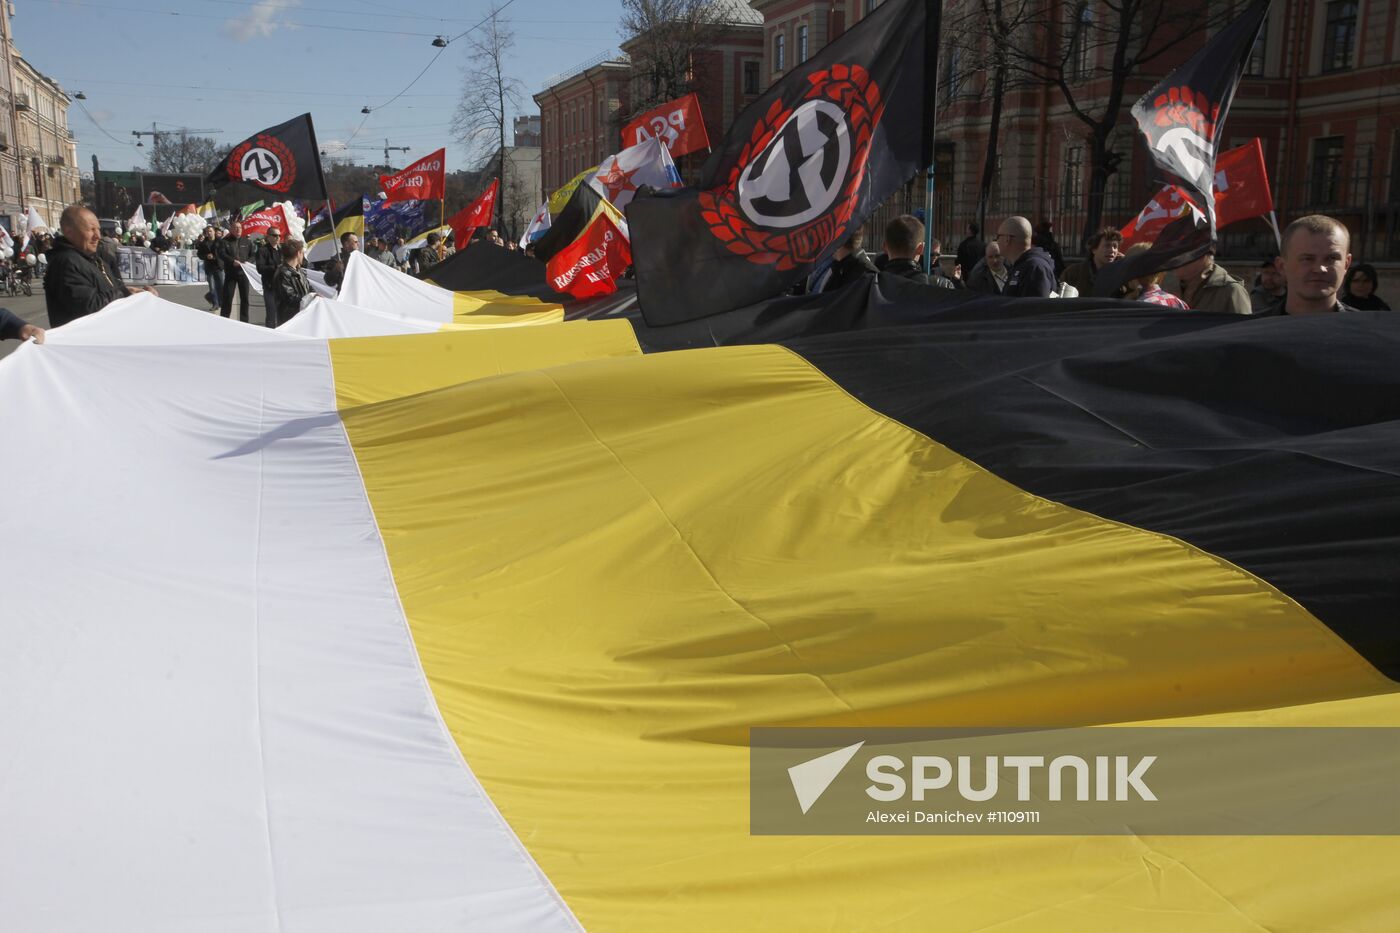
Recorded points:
(1102, 164)
(989, 164)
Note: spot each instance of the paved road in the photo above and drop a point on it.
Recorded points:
(192, 296)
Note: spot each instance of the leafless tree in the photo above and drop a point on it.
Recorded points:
(1089, 52)
(180, 153)
(489, 95)
(662, 37)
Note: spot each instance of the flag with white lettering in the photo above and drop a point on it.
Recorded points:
(273, 218)
(424, 180)
(800, 169)
(679, 125)
(282, 159)
(591, 265)
(1182, 116)
(647, 163)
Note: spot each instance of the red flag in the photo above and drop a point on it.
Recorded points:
(271, 218)
(476, 214)
(1241, 192)
(1242, 184)
(679, 123)
(592, 264)
(424, 180)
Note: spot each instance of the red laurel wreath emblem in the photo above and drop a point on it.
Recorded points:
(276, 147)
(850, 87)
(1182, 106)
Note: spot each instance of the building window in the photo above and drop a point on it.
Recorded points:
(952, 78)
(1081, 29)
(801, 44)
(1254, 68)
(1327, 170)
(870, 6)
(1339, 36)
(779, 46)
(750, 77)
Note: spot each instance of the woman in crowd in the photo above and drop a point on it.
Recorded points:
(1149, 287)
(1359, 289)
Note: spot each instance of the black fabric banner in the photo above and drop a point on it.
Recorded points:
(798, 171)
(1182, 117)
(572, 221)
(282, 161)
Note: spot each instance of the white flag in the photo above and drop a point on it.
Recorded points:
(647, 163)
(33, 222)
(138, 219)
(537, 227)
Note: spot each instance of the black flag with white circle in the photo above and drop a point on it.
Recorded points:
(801, 168)
(281, 161)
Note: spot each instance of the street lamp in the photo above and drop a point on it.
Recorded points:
(439, 43)
(80, 96)
(364, 109)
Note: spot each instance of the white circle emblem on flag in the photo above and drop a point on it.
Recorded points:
(800, 173)
(261, 165)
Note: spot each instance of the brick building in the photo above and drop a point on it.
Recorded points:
(1322, 93)
(579, 117)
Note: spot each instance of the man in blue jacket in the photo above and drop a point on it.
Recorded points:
(1032, 272)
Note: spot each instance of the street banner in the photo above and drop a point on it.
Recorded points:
(1241, 192)
(647, 163)
(282, 159)
(679, 125)
(476, 214)
(273, 218)
(797, 173)
(424, 180)
(1182, 117)
(591, 265)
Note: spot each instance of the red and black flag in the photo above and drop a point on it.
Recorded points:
(282, 159)
(1182, 117)
(799, 170)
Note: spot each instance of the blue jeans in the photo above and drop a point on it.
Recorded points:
(215, 278)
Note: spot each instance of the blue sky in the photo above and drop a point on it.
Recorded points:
(242, 65)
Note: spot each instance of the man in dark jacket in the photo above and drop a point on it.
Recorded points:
(79, 281)
(207, 249)
(1103, 250)
(268, 255)
(287, 286)
(232, 250)
(971, 250)
(1032, 270)
(1316, 256)
(1045, 239)
(349, 243)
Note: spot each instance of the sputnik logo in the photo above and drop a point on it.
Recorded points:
(810, 779)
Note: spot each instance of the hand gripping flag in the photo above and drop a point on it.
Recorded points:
(424, 180)
(1241, 192)
(647, 163)
(679, 125)
(281, 159)
(591, 265)
(799, 170)
(1181, 118)
(476, 214)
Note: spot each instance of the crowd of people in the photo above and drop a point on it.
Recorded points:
(1025, 262)
(1313, 271)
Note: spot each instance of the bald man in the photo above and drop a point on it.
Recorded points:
(1032, 271)
(79, 280)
